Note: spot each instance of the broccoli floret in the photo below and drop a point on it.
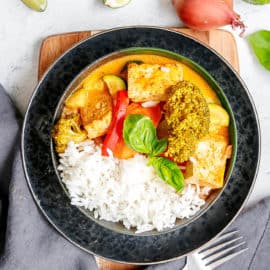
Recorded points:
(187, 116)
(68, 129)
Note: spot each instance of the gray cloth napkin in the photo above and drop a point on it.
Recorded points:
(28, 242)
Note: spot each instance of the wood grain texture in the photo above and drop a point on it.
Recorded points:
(108, 265)
(53, 46)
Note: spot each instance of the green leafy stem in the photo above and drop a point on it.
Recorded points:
(140, 134)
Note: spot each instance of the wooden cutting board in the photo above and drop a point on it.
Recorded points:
(53, 46)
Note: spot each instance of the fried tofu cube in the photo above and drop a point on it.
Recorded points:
(207, 165)
(152, 81)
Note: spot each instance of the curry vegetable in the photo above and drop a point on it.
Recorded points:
(66, 130)
(187, 116)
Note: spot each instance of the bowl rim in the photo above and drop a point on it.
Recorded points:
(154, 28)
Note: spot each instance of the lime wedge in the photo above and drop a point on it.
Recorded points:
(37, 5)
(258, 2)
(116, 3)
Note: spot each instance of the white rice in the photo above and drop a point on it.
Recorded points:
(124, 190)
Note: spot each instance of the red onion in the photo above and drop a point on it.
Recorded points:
(205, 15)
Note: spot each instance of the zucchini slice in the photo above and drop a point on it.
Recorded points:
(114, 84)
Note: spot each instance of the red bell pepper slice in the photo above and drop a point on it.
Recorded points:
(114, 134)
(154, 113)
(114, 139)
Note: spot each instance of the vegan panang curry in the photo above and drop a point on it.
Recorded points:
(154, 106)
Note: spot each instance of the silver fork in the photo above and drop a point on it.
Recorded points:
(216, 252)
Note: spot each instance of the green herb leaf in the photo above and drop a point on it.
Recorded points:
(159, 147)
(260, 42)
(140, 134)
(258, 2)
(168, 171)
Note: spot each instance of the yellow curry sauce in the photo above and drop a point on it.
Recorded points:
(212, 151)
(115, 66)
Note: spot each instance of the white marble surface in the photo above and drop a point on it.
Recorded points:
(22, 30)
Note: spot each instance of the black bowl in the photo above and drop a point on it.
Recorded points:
(76, 84)
(94, 236)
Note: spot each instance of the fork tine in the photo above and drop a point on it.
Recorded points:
(220, 253)
(216, 248)
(215, 264)
(221, 237)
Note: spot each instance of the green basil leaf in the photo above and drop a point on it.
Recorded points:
(159, 147)
(258, 2)
(139, 133)
(260, 43)
(168, 171)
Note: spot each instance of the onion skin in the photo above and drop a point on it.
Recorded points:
(204, 15)
(228, 2)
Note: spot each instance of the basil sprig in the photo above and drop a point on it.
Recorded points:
(140, 134)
